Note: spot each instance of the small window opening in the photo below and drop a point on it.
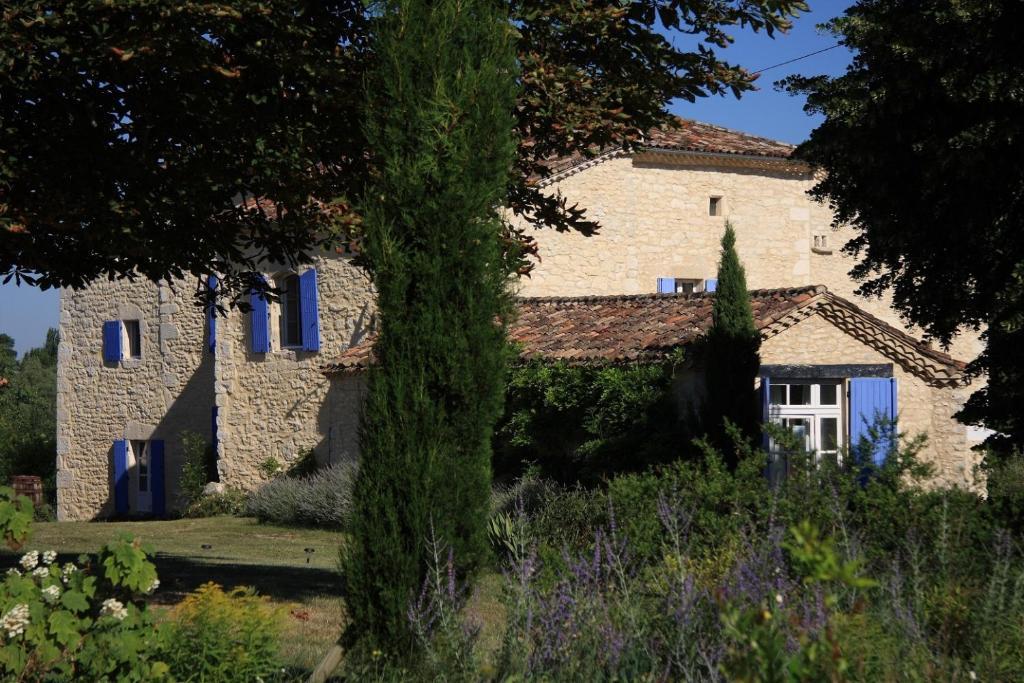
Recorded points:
(133, 331)
(821, 244)
(715, 206)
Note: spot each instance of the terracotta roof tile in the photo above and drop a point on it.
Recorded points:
(611, 329)
(695, 136)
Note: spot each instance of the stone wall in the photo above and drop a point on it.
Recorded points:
(168, 390)
(923, 408)
(275, 405)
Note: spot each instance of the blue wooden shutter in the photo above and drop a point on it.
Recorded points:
(112, 341)
(666, 285)
(766, 413)
(872, 404)
(156, 476)
(711, 285)
(310, 318)
(121, 477)
(211, 314)
(260, 316)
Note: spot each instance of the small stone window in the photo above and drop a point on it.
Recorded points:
(715, 206)
(821, 243)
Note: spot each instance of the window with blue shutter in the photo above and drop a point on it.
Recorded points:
(112, 352)
(260, 318)
(711, 285)
(310, 318)
(872, 408)
(156, 481)
(121, 477)
(211, 314)
(666, 285)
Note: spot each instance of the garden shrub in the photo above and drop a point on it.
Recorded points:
(322, 499)
(81, 622)
(223, 637)
(199, 467)
(232, 501)
(581, 423)
(1005, 482)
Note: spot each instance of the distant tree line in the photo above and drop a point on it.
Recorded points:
(28, 412)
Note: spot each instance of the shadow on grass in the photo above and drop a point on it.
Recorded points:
(180, 575)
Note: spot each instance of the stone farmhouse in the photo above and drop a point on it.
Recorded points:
(140, 363)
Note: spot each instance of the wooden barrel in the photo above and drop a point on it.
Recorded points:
(29, 486)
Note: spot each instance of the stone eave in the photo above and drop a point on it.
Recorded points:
(686, 159)
(691, 158)
(915, 357)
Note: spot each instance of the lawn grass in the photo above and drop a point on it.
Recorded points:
(243, 552)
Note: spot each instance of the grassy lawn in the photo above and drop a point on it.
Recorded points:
(234, 551)
(230, 551)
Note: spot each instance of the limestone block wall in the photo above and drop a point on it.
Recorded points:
(168, 390)
(923, 408)
(275, 405)
(655, 223)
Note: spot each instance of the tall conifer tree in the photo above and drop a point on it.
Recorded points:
(732, 349)
(440, 123)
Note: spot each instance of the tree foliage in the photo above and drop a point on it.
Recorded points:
(131, 131)
(28, 411)
(731, 348)
(921, 152)
(582, 424)
(440, 115)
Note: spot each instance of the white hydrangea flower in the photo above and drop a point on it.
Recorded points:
(15, 620)
(49, 556)
(29, 560)
(66, 571)
(41, 572)
(13, 572)
(153, 586)
(51, 593)
(114, 608)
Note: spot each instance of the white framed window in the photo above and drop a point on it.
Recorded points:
(688, 285)
(290, 311)
(813, 411)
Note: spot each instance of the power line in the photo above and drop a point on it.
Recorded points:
(797, 59)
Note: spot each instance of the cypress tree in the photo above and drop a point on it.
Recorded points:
(440, 125)
(733, 342)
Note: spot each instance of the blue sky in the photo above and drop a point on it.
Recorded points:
(26, 312)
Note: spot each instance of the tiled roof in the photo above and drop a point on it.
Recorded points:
(612, 329)
(694, 136)
(615, 329)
